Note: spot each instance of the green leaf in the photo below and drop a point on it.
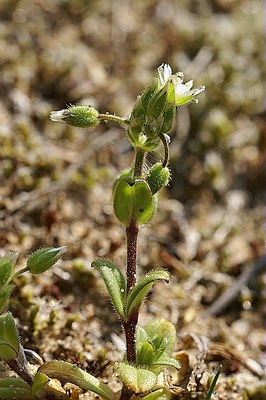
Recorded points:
(123, 201)
(136, 379)
(115, 283)
(7, 264)
(143, 205)
(142, 288)
(39, 382)
(162, 334)
(161, 394)
(167, 362)
(14, 388)
(43, 259)
(66, 372)
(45, 388)
(9, 339)
(4, 297)
(145, 355)
(213, 383)
(133, 201)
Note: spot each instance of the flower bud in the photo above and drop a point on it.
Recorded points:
(9, 339)
(158, 177)
(43, 259)
(80, 116)
(138, 116)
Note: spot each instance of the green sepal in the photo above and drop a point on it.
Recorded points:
(4, 297)
(9, 339)
(138, 380)
(43, 259)
(142, 288)
(169, 111)
(158, 177)
(7, 264)
(14, 388)
(115, 282)
(66, 372)
(158, 102)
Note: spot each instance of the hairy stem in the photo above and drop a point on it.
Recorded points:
(139, 160)
(166, 149)
(131, 323)
(110, 117)
(132, 240)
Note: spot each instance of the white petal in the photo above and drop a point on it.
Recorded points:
(189, 85)
(164, 72)
(181, 89)
(58, 115)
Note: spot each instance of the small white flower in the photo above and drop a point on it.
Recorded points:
(183, 92)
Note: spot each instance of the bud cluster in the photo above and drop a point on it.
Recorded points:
(155, 109)
(153, 113)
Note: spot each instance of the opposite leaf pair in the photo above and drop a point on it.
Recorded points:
(115, 281)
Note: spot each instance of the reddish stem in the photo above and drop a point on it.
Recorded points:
(131, 323)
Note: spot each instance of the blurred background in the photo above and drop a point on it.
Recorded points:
(56, 181)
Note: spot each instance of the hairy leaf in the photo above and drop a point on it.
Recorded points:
(142, 288)
(14, 388)
(162, 334)
(66, 372)
(167, 362)
(136, 379)
(115, 283)
(7, 264)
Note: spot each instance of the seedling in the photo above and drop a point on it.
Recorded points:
(135, 195)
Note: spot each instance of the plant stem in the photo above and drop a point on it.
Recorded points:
(110, 117)
(22, 372)
(132, 238)
(166, 149)
(130, 324)
(139, 160)
(21, 271)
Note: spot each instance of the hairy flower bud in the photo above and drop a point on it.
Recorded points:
(80, 116)
(43, 259)
(158, 177)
